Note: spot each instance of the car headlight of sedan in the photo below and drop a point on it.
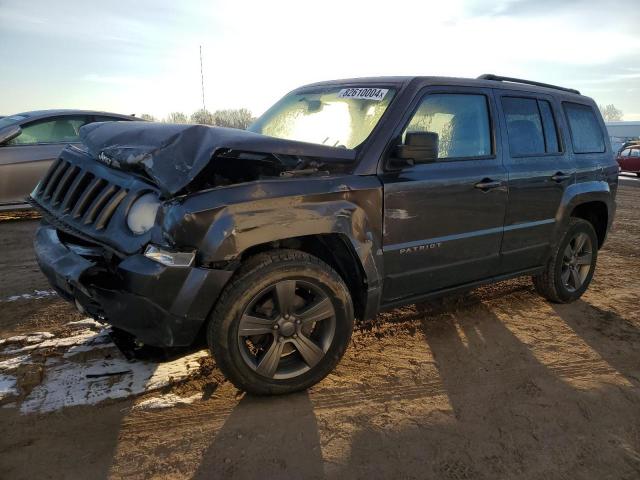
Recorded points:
(142, 214)
(169, 258)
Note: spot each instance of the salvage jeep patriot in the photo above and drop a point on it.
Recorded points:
(345, 198)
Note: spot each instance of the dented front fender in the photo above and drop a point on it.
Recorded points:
(221, 224)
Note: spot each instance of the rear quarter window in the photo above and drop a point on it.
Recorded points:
(586, 134)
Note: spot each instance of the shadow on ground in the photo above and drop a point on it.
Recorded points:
(511, 416)
(266, 437)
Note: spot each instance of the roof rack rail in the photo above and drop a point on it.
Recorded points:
(498, 78)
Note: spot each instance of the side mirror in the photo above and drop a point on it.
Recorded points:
(421, 147)
(9, 133)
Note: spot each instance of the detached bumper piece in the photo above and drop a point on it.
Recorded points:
(160, 305)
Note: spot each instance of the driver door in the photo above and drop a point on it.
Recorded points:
(443, 220)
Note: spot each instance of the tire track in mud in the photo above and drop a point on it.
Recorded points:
(347, 398)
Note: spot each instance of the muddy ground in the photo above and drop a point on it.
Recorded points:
(497, 383)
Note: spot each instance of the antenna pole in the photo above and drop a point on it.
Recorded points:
(202, 79)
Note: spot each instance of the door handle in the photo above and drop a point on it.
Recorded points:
(487, 184)
(560, 177)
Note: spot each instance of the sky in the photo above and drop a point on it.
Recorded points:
(143, 56)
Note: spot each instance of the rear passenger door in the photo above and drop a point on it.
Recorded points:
(539, 170)
(443, 220)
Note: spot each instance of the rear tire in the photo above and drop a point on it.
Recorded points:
(570, 269)
(282, 324)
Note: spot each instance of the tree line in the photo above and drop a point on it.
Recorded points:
(232, 118)
(610, 113)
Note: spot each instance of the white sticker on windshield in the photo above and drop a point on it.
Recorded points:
(360, 93)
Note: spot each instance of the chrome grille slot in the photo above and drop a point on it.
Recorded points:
(99, 203)
(63, 185)
(47, 178)
(77, 187)
(53, 182)
(87, 197)
(109, 209)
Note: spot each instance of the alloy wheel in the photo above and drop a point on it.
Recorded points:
(286, 329)
(576, 261)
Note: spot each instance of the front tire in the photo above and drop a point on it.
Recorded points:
(570, 269)
(282, 324)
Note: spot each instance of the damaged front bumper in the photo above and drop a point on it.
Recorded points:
(160, 305)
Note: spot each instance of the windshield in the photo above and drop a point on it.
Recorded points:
(334, 116)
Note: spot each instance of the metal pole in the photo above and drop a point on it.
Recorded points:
(202, 79)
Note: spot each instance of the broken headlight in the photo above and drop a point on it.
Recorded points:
(169, 258)
(142, 214)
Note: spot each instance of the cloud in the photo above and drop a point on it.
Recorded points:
(625, 11)
(613, 77)
(143, 56)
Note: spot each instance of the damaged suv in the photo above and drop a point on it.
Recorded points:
(345, 198)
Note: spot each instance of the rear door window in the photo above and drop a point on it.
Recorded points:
(586, 133)
(531, 126)
(57, 130)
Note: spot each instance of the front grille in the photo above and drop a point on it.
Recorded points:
(67, 189)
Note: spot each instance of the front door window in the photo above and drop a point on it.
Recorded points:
(58, 130)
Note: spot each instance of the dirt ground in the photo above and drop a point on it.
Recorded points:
(497, 383)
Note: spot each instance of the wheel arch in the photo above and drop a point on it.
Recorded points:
(596, 213)
(334, 249)
(337, 231)
(591, 201)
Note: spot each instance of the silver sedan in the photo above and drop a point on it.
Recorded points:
(30, 141)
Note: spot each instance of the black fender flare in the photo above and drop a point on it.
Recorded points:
(583, 192)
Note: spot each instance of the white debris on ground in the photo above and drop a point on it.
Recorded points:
(166, 401)
(14, 362)
(80, 338)
(8, 386)
(33, 337)
(101, 340)
(84, 368)
(69, 383)
(86, 322)
(35, 295)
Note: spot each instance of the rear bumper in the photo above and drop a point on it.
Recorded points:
(162, 306)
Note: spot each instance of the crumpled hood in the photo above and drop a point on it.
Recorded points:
(172, 155)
